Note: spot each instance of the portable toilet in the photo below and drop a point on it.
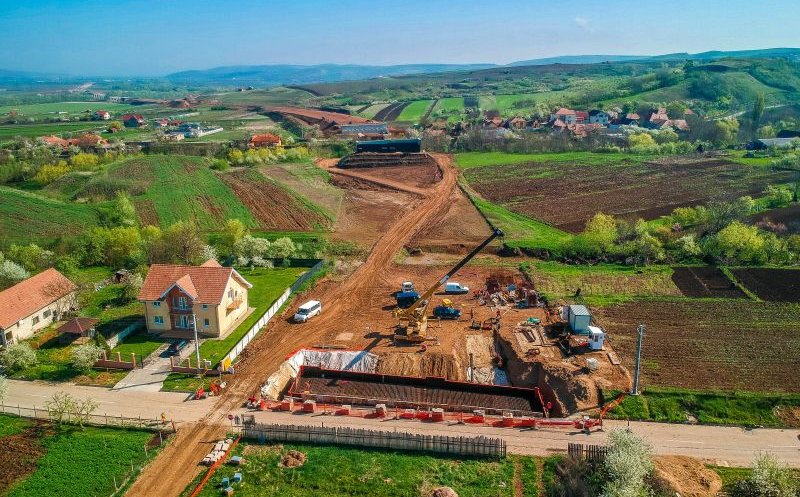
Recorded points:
(596, 338)
(579, 319)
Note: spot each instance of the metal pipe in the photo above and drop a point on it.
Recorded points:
(640, 330)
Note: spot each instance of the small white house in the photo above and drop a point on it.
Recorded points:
(33, 304)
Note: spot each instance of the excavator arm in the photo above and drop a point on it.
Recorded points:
(410, 311)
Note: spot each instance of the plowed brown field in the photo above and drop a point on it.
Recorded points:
(567, 195)
(275, 208)
(712, 344)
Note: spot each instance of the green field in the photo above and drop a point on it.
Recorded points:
(471, 160)
(28, 217)
(373, 109)
(140, 343)
(602, 284)
(167, 189)
(415, 111)
(674, 405)
(34, 130)
(369, 472)
(71, 108)
(68, 459)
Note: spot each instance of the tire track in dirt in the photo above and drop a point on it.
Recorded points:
(177, 465)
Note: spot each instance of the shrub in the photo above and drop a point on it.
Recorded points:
(627, 465)
(3, 388)
(768, 479)
(84, 357)
(11, 272)
(50, 172)
(220, 165)
(84, 161)
(18, 356)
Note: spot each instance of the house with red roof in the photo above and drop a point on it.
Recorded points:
(54, 141)
(567, 116)
(265, 140)
(133, 120)
(177, 299)
(34, 304)
(88, 140)
(102, 115)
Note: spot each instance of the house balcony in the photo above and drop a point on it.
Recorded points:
(234, 304)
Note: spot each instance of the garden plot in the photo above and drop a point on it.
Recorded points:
(705, 281)
(771, 284)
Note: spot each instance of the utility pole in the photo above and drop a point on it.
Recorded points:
(197, 342)
(638, 360)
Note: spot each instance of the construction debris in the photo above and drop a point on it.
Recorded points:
(220, 449)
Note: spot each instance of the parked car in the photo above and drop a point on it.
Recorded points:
(307, 311)
(176, 347)
(453, 287)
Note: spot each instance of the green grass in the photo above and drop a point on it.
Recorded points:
(602, 284)
(34, 130)
(415, 111)
(179, 382)
(268, 285)
(140, 343)
(346, 472)
(11, 425)
(84, 462)
(71, 108)
(521, 231)
(183, 188)
(469, 160)
(728, 408)
(27, 217)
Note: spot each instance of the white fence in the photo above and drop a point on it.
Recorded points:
(273, 309)
(114, 340)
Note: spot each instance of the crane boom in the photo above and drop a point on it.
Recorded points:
(430, 291)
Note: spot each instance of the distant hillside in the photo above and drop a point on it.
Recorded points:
(578, 59)
(272, 75)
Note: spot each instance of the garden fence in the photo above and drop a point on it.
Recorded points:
(273, 309)
(587, 452)
(93, 419)
(479, 446)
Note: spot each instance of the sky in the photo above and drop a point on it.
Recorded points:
(156, 37)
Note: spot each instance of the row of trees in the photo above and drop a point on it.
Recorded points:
(712, 233)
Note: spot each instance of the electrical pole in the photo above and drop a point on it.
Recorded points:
(196, 341)
(640, 330)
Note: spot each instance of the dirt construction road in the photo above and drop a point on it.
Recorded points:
(177, 465)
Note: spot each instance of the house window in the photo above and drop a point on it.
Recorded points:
(205, 323)
(35, 320)
(157, 303)
(182, 303)
(158, 319)
(205, 306)
(46, 314)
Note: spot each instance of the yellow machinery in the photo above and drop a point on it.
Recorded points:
(414, 320)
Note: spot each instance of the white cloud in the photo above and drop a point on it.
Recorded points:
(584, 24)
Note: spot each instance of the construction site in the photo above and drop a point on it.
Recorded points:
(419, 324)
(436, 340)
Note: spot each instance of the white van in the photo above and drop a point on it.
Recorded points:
(453, 287)
(307, 311)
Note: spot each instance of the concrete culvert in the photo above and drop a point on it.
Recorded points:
(444, 492)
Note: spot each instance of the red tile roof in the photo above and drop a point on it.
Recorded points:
(204, 284)
(32, 295)
(265, 139)
(138, 117)
(581, 114)
(54, 140)
(563, 111)
(78, 326)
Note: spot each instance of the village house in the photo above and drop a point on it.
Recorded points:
(264, 140)
(597, 116)
(34, 304)
(102, 115)
(581, 116)
(567, 116)
(133, 120)
(178, 298)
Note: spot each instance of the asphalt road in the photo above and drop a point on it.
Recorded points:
(723, 445)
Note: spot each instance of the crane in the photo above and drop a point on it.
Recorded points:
(414, 319)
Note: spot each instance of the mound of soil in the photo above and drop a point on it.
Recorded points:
(444, 492)
(293, 459)
(686, 476)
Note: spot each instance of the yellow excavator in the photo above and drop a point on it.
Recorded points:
(413, 320)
